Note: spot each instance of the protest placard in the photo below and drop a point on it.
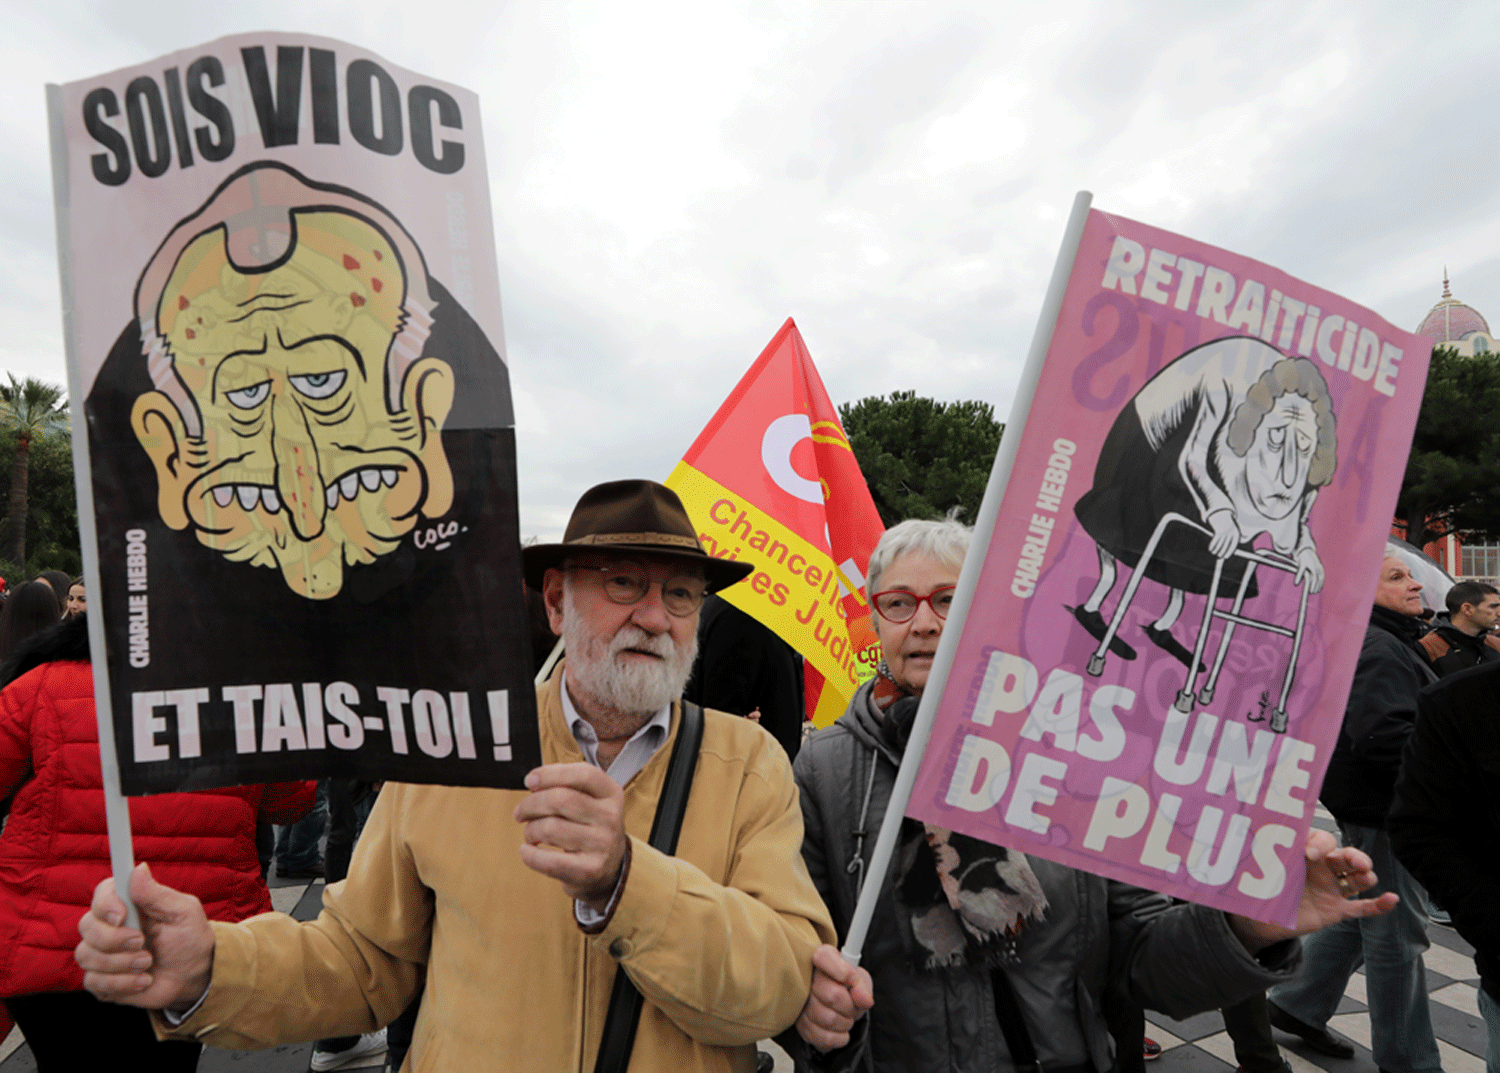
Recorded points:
(772, 480)
(293, 422)
(1154, 663)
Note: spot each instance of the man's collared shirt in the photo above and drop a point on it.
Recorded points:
(637, 752)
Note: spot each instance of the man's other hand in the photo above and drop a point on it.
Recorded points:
(165, 964)
(841, 993)
(575, 830)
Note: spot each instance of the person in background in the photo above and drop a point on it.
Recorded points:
(743, 668)
(1465, 640)
(1249, 1026)
(299, 853)
(59, 581)
(55, 849)
(1017, 958)
(31, 608)
(1358, 789)
(78, 601)
(1445, 803)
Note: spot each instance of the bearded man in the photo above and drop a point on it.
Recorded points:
(520, 908)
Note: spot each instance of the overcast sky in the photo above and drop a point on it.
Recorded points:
(670, 183)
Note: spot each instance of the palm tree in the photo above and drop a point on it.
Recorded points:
(33, 410)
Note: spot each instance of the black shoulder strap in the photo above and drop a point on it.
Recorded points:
(625, 1000)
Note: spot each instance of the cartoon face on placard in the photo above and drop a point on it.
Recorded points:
(294, 423)
(1227, 444)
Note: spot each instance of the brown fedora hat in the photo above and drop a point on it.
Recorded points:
(631, 516)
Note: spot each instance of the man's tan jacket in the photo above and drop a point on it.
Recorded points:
(719, 938)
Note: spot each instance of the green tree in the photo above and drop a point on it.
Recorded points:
(34, 410)
(921, 457)
(1452, 481)
(52, 508)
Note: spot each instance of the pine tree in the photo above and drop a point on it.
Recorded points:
(920, 457)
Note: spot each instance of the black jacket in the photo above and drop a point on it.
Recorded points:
(1445, 823)
(742, 665)
(1382, 711)
(1451, 650)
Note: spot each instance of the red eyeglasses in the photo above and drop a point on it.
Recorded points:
(898, 605)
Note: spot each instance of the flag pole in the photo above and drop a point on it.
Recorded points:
(984, 526)
(551, 661)
(116, 808)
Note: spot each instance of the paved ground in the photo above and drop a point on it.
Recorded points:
(1198, 1045)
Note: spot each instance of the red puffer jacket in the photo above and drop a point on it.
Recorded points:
(55, 850)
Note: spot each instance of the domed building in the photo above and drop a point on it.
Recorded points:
(1451, 323)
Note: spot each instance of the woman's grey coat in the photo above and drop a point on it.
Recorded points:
(1177, 959)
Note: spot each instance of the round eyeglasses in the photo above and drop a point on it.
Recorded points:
(898, 605)
(627, 582)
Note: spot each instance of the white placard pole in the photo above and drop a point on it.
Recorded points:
(551, 662)
(984, 527)
(116, 810)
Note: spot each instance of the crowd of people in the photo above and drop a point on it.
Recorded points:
(34, 605)
(631, 909)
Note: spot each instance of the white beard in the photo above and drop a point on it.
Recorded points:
(628, 687)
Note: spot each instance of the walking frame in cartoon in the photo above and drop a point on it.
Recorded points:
(1211, 611)
(1229, 442)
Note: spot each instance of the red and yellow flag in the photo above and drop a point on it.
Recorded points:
(773, 481)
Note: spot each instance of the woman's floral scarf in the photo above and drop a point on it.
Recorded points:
(962, 901)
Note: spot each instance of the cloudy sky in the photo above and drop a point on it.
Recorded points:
(671, 182)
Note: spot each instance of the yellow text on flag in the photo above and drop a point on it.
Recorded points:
(794, 590)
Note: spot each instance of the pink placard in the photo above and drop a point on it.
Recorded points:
(1205, 425)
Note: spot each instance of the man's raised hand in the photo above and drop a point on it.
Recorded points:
(575, 829)
(165, 964)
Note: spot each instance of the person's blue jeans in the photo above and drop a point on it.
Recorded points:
(1390, 947)
(1489, 1009)
(297, 846)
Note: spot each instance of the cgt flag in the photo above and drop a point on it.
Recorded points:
(772, 480)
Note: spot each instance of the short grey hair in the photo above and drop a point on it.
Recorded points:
(947, 541)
